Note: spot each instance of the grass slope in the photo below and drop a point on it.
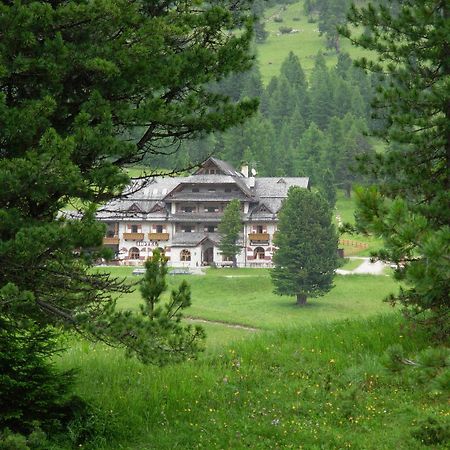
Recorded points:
(308, 387)
(305, 44)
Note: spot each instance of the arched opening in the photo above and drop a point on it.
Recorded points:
(185, 255)
(208, 255)
(133, 253)
(259, 253)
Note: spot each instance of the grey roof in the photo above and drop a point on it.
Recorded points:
(193, 239)
(271, 187)
(144, 194)
(208, 197)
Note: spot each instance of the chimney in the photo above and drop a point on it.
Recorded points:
(244, 170)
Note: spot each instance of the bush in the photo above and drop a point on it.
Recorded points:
(296, 19)
(278, 19)
(31, 389)
(285, 30)
(432, 431)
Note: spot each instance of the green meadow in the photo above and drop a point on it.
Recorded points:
(313, 386)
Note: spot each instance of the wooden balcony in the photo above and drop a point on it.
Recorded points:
(158, 236)
(111, 240)
(133, 236)
(258, 236)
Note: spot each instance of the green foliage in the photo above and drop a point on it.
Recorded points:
(409, 205)
(91, 73)
(432, 431)
(306, 258)
(230, 228)
(328, 188)
(31, 388)
(77, 79)
(158, 336)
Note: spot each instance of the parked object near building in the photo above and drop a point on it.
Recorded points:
(180, 216)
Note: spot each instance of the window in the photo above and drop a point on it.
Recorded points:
(211, 209)
(187, 229)
(185, 255)
(259, 229)
(227, 189)
(188, 209)
(259, 253)
(133, 253)
(195, 189)
(212, 189)
(159, 228)
(134, 228)
(210, 229)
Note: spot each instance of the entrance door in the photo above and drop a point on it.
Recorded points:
(208, 255)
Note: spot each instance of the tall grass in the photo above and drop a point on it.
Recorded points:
(312, 387)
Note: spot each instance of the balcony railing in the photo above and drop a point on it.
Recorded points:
(133, 236)
(258, 236)
(114, 240)
(158, 236)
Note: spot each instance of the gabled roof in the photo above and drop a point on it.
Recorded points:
(222, 167)
(134, 208)
(262, 208)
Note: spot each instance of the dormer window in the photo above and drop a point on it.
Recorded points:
(195, 189)
(227, 189)
(212, 189)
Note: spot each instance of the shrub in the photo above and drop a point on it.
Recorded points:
(285, 30)
(278, 19)
(296, 19)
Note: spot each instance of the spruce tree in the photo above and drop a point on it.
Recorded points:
(306, 258)
(230, 228)
(408, 206)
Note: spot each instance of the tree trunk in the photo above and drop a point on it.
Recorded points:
(301, 299)
(348, 190)
(234, 262)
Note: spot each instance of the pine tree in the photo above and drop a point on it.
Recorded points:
(321, 94)
(409, 205)
(306, 258)
(328, 189)
(75, 78)
(310, 158)
(229, 230)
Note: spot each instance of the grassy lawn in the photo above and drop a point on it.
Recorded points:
(351, 264)
(244, 296)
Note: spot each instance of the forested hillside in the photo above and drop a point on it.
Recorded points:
(310, 122)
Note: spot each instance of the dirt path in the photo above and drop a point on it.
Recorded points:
(366, 267)
(226, 324)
